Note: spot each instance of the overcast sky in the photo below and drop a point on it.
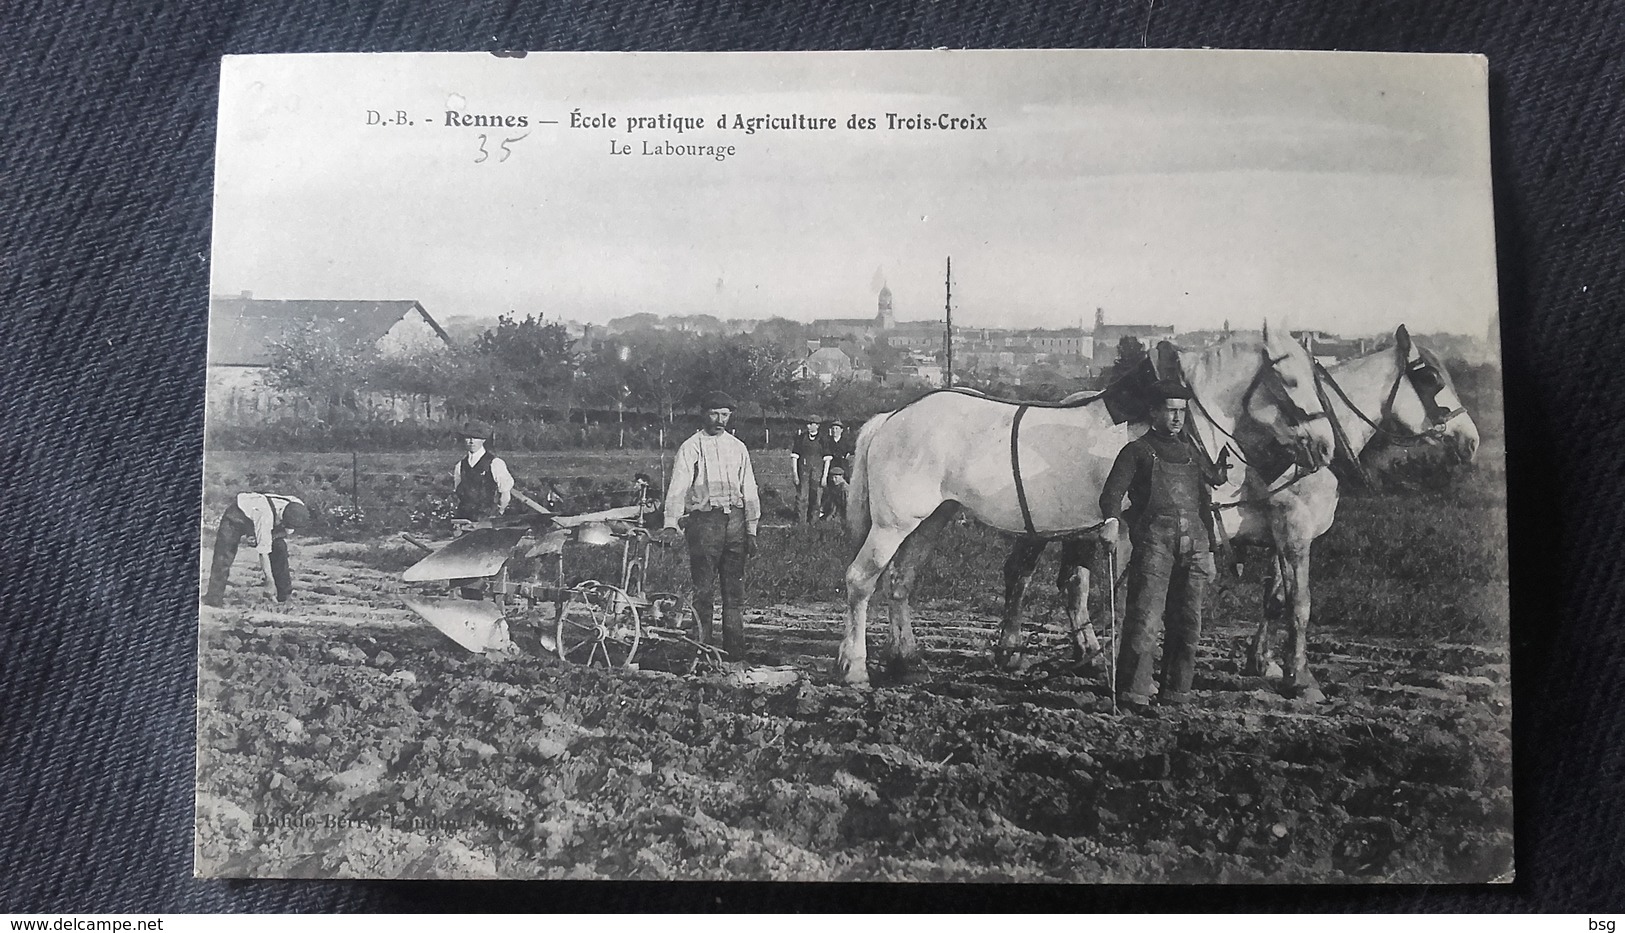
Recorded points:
(1346, 192)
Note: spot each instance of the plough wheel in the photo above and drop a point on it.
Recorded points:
(598, 624)
(673, 617)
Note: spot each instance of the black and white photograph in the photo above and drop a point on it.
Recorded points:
(1056, 466)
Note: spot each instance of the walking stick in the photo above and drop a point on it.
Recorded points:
(1111, 607)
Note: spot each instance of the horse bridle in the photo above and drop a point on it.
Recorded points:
(1293, 412)
(1426, 381)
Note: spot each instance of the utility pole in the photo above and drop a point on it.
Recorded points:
(948, 329)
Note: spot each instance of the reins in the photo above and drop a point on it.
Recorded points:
(1324, 378)
(1298, 472)
(1402, 438)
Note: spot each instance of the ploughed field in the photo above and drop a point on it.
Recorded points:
(340, 736)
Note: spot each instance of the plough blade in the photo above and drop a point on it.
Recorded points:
(479, 553)
(474, 624)
(550, 543)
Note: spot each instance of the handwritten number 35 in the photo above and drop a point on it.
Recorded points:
(485, 154)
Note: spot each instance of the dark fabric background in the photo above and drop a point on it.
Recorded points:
(105, 178)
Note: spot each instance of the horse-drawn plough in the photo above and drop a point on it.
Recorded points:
(513, 574)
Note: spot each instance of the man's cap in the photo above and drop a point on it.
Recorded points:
(475, 429)
(718, 400)
(1167, 389)
(295, 515)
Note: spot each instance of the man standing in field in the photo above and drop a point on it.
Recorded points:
(712, 496)
(839, 447)
(481, 482)
(809, 465)
(1169, 522)
(268, 518)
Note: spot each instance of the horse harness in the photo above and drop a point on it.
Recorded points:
(1424, 378)
(1294, 413)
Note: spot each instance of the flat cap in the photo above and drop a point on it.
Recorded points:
(295, 515)
(1167, 388)
(474, 429)
(718, 400)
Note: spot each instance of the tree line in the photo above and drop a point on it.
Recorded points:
(529, 370)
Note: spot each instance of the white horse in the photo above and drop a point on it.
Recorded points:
(1414, 401)
(1403, 392)
(1036, 470)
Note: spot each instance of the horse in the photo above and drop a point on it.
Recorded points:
(1034, 469)
(1416, 402)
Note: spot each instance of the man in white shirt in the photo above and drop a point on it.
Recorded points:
(481, 482)
(268, 518)
(712, 496)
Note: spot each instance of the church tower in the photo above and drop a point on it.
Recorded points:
(885, 320)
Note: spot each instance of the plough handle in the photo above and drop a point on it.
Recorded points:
(416, 543)
(533, 504)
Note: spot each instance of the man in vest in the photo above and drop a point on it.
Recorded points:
(712, 496)
(809, 466)
(1170, 525)
(268, 518)
(481, 482)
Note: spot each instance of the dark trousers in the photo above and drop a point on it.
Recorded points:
(1167, 579)
(234, 526)
(807, 497)
(835, 497)
(716, 549)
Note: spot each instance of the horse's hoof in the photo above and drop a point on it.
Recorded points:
(1273, 671)
(1308, 694)
(1010, 662)
(1091, 663)
(907, 671)
(853, 675)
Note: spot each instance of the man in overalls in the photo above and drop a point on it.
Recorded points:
(1169, 521)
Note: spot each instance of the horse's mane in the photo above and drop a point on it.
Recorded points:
(1126, 385)
(1236, 343)
(1071, 401)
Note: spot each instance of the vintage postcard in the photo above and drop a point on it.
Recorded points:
(1031, 466)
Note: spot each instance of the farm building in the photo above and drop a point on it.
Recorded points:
(826, 364)
(243, 330)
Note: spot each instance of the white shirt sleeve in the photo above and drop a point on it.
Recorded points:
(682, 477)
(259, 511)
(499, 473)
(753, 499)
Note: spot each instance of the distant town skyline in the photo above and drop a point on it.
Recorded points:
(1345, 193)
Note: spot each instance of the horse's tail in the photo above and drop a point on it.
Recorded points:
(857, 489)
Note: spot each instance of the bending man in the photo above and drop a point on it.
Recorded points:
(269, 518)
